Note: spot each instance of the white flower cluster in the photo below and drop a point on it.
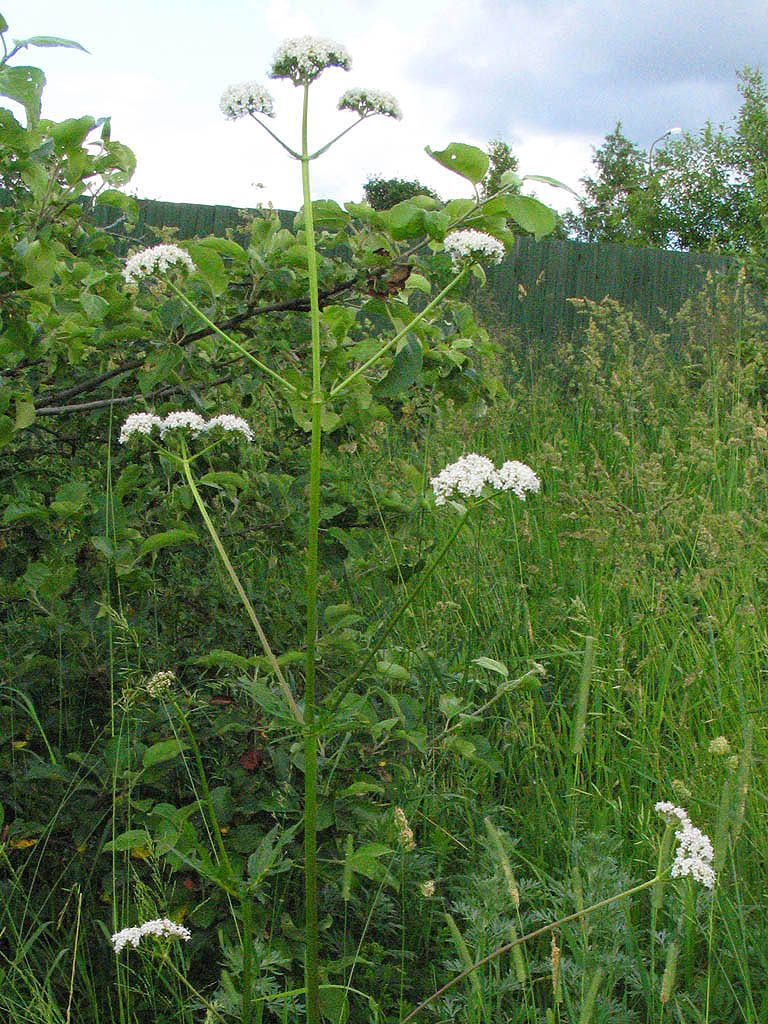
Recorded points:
(246, 98)
(370, 101)
(160, 683)
(157, 259)
(694, 854)
(473, 247)
(160, 927)
(304, 58)
(144, 423)
(471, 473)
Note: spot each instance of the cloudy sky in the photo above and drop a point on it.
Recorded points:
(551, 77)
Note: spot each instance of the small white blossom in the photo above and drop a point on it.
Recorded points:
(138, 423)
(370, 101)
(162, 926)
(427, 889)
(160, 683)
(468, 475)
(518, 478)
(470, 246)
(719, 746)
(246, 98)
(304, 58)
(231, 423)
(182, 421)
(694, 854)
(157, 259)
(471, 473)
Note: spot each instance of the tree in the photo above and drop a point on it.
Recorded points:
(502, 159)
(384, 193)
(621, 202)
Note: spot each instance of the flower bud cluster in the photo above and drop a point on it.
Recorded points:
(404, 830)
(246, 98)
(370, 101)
(466, 247)
(144, 423)
(160, 683)
(304, 58)
(694, 854)
(470, 474)
(156, 259)
(162, 926)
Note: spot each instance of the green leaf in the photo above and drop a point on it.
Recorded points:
(226, 247)
(25, 414)
(224, 478)
(418, 283)
(70, 133)
(163, 540)
(165, 750)
(406, 220)
(405, 369)
(531, 215)
(210, 267)
(51, 41)
(393, 670)
(551, 181)
(436, 224)
(492, 666)
(40, 263)
(3, 25)
(113, 197)
(24, 85)
(133, 839)
(468, 161)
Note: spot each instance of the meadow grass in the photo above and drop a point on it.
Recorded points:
(627, 598)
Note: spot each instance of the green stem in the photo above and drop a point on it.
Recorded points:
(349, 682)
(241, 593)
(311, 962)
(525, 938)
(214, 821)
(247, 959)
(400, 334)
(236, 344)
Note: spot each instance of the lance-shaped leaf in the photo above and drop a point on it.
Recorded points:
(468, 161)
(49, 41)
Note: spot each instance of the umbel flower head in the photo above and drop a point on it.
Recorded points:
(466, 247)
(161, 926)
(160, 683)
(370, 101)
(472, 473)
(246, 98)
(304, 58)
(144, 423)
(158, 259)
(694, 854)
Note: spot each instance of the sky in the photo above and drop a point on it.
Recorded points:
(550, 77)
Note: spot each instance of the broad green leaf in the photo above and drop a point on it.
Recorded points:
(436, 223)
(468, 161)
(113, 197)
(180, 535)
(165, 750)
(405, 369)
(71, 497)
(493, 666)
(327, 215)
(40, 263)
(24, 85)
(458, 208)
(226, 247)
(70, 133)
(406, 220)
(511, 179)
(134, 838)
(393, 670)
(224, 478)
(531, 215)
(210, 267)
(25, 414)
(418, 283)
(52, 41)
(3, 25)
(362, 788)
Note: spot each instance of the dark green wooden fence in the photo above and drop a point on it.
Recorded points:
(530, 288)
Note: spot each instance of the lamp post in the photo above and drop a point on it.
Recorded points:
(667, 133)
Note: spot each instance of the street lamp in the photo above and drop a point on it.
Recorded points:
(667, 133)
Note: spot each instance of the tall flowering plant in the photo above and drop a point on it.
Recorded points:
(339, 377)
